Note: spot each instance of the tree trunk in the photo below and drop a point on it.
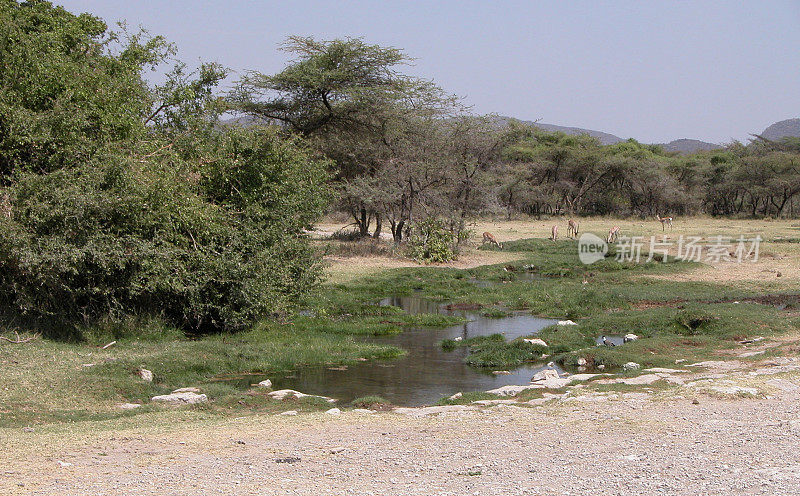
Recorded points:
(378, 226)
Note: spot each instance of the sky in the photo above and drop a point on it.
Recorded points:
(651, 70)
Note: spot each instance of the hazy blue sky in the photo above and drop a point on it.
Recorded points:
(656, 71)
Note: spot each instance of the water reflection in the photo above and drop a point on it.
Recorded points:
(426, 373)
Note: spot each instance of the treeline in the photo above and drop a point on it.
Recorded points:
(403, 151)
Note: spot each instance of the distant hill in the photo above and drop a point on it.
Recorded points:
(789, 127)
(605, 138)
(687, 145)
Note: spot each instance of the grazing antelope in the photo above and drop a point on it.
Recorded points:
(613, 234)
(554, 233)
(572, 228)
(488, 237)
(665, 221)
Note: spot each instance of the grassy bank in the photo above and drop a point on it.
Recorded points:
(49, 381)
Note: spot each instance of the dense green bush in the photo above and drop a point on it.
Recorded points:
(431, 242)
(208, 247)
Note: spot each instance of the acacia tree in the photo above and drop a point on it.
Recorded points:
(351, 101)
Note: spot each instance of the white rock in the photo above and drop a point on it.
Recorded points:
(64, 464)
(601, 367)
(665, 371)
(283, 393)
(631, 366)
(493, 402)
(266, 383)
(630, 337)
(146, 375)
(333, 411)
(581, 362)
(456, 396)
(431, 410)
(128, 406)
(566, 322)
(735, 390)
(536, 341)
(289, 413)
(513, 390)
(457, 338)
(544, 375)
(181, 398)
(362, 410)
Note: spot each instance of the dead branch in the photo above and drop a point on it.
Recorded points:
(109, 345)
(19, 340)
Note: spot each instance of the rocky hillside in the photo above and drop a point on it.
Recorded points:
(687, 145)
(789, 127)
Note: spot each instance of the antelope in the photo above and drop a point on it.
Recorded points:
(572, 228)
(554, 233)
(613, 234)
(488, 237)
(665, 221)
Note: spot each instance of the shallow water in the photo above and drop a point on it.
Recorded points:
(427, 373)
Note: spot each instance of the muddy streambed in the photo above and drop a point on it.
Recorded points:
(427, 373)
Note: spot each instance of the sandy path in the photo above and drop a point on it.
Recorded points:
(630, 446)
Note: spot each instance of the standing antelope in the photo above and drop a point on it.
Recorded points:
(665, 221)
(488, 237)
(572, 228)
(613, 234)
(554, 233)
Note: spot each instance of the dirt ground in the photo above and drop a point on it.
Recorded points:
(625, 443)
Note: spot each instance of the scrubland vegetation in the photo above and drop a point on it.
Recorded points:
(137, 213)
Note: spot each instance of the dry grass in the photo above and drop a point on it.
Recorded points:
(775, 257)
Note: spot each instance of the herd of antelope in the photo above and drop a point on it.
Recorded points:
(572, 231)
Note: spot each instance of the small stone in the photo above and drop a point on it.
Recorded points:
(566, 323)
(289, 413)
(64, 464)
(362, 410)
(27, 429)
(536, 342)
(128, 406)
(544, 375)
(501, 372)
(146, 375)
(337, 450)
(457, 338)
(178, 398)
(288, 459)
(629, 337)
(456, 396)
(631, 366)
(333, 411)
(581, 362)
(601, 367)
(778, 274)
(695, 402)
(266, 383)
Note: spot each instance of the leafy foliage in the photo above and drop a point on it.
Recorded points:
(208, 249)
(431, 242)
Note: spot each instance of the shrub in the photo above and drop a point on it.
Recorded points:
(207, 247)
(431, 242)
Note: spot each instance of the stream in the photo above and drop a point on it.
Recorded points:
(427, 373)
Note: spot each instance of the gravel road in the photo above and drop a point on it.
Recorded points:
(628, 446)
